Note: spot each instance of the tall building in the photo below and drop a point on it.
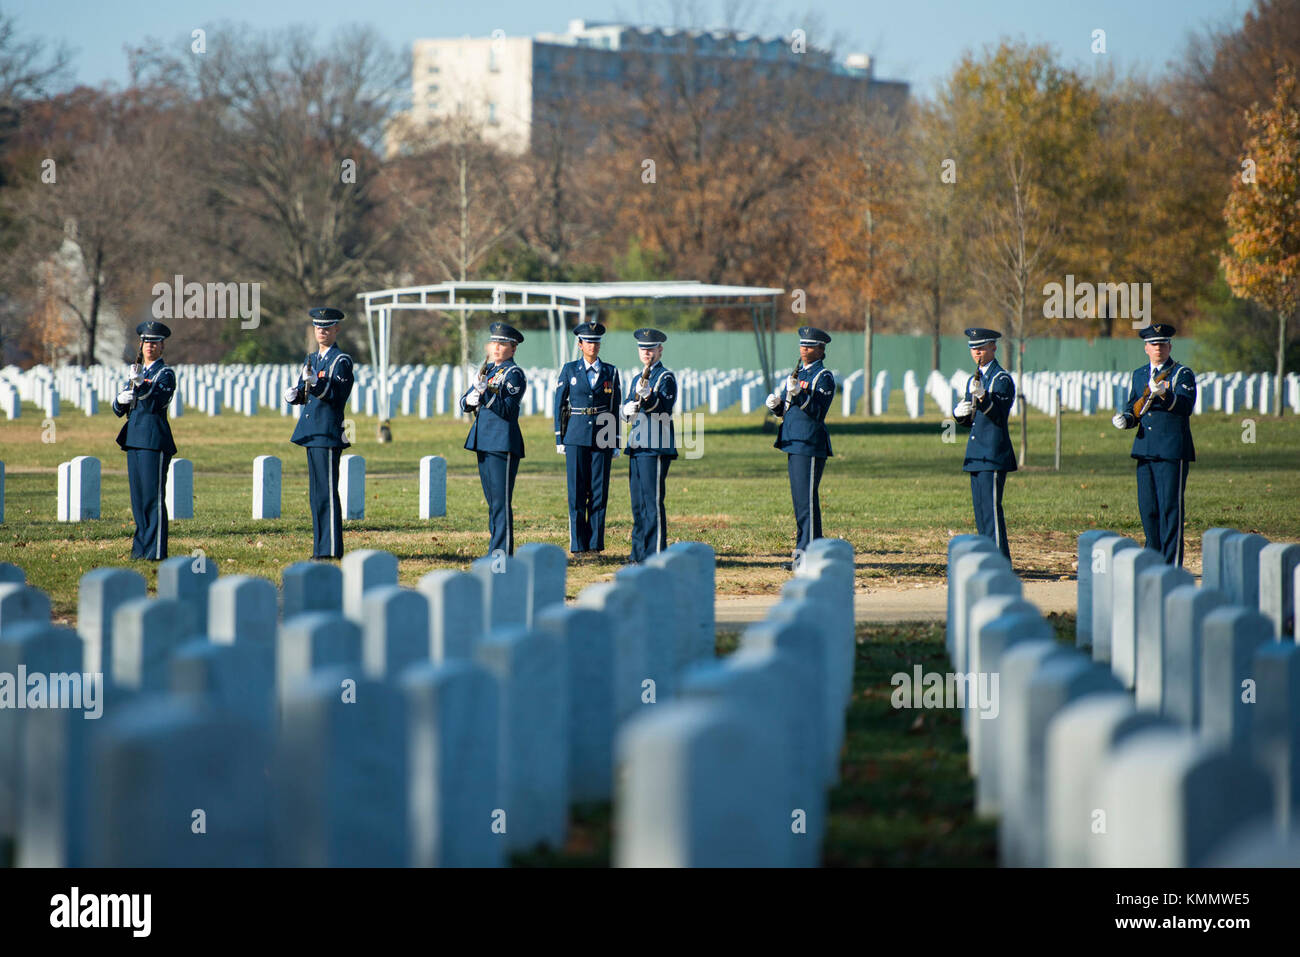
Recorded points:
(508, 85)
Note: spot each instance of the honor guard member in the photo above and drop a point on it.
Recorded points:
(986, 408)
(651, 444)
(146, 437)
(1161, 397)
(801, 404)
(493, 399)
(587, 397)
(323, 386)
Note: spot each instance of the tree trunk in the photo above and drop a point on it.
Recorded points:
(868, 397)
(1281, 363)
(936, 338)
(92, 326)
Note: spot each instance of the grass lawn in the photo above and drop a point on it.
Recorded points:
(894, 489)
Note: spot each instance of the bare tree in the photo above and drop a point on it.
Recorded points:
(460, 199)
(1016, 245)
(284, 149)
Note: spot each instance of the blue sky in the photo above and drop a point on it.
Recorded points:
(914, 40)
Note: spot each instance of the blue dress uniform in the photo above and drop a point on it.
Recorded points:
(587, 397)
(989, 456)
(651, 448)
(804, 439)
(324, 391)
(146, 437)
(1163, 447)
(495, 437)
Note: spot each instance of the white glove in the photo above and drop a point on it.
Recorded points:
(773, 401)
(977, 387)
(962, 409)
(1119, 420)
(125, 396)
(306, 374)
(472, 399)
(643, 389)
(480, 384)
(1160, 388)
(791, 386)
(629, 409)
(291, 394)
(560, 449)
(137, 374)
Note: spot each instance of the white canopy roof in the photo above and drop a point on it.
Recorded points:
(563, 303)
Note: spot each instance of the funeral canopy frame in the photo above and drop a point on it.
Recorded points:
(566, 304)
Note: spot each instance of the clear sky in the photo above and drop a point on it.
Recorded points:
(914, 40)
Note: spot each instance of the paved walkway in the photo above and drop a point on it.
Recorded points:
(899, 603)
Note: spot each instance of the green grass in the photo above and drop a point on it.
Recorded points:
(894, 489)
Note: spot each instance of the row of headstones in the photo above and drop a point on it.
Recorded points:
(1136, 747)
(79, 487)
(351, 486)
(735, 772)
(447, 724)
(479, 707)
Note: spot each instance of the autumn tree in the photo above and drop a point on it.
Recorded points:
(857, 216)
(1263, 215)
(937, 277)
(459, 199)
(1024, 128)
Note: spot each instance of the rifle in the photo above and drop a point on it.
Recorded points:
(1144, 400)
(482, 371)
(135, 368)
(645, 378)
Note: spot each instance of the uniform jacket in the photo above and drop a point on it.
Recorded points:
(988, 447)
(803, 422)
(496, 423)
(573, 391)
(146, 426)
(650, 430)
(325, 396)
(1165, 432)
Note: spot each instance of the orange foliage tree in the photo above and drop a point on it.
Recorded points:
(1263, 215)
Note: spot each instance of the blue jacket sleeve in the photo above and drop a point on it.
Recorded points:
(1181, 397)
(1134, 393)
(561, 392)
(998, 399)
(663, 396)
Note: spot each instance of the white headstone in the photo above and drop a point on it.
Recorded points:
(433, 486)
(533, 768)
(364, 569)
(180, 489)
(455, 613)
(352, 486)
(266, 487)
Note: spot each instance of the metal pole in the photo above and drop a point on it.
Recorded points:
(1058, 427)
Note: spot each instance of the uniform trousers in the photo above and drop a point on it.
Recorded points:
(805, 485)
(326, 510)
(646, 476)
(589, 472)
(146, 471)
(496, 473)
(1161, 485)
(986, 496)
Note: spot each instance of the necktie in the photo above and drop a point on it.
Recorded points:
(592, 374)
